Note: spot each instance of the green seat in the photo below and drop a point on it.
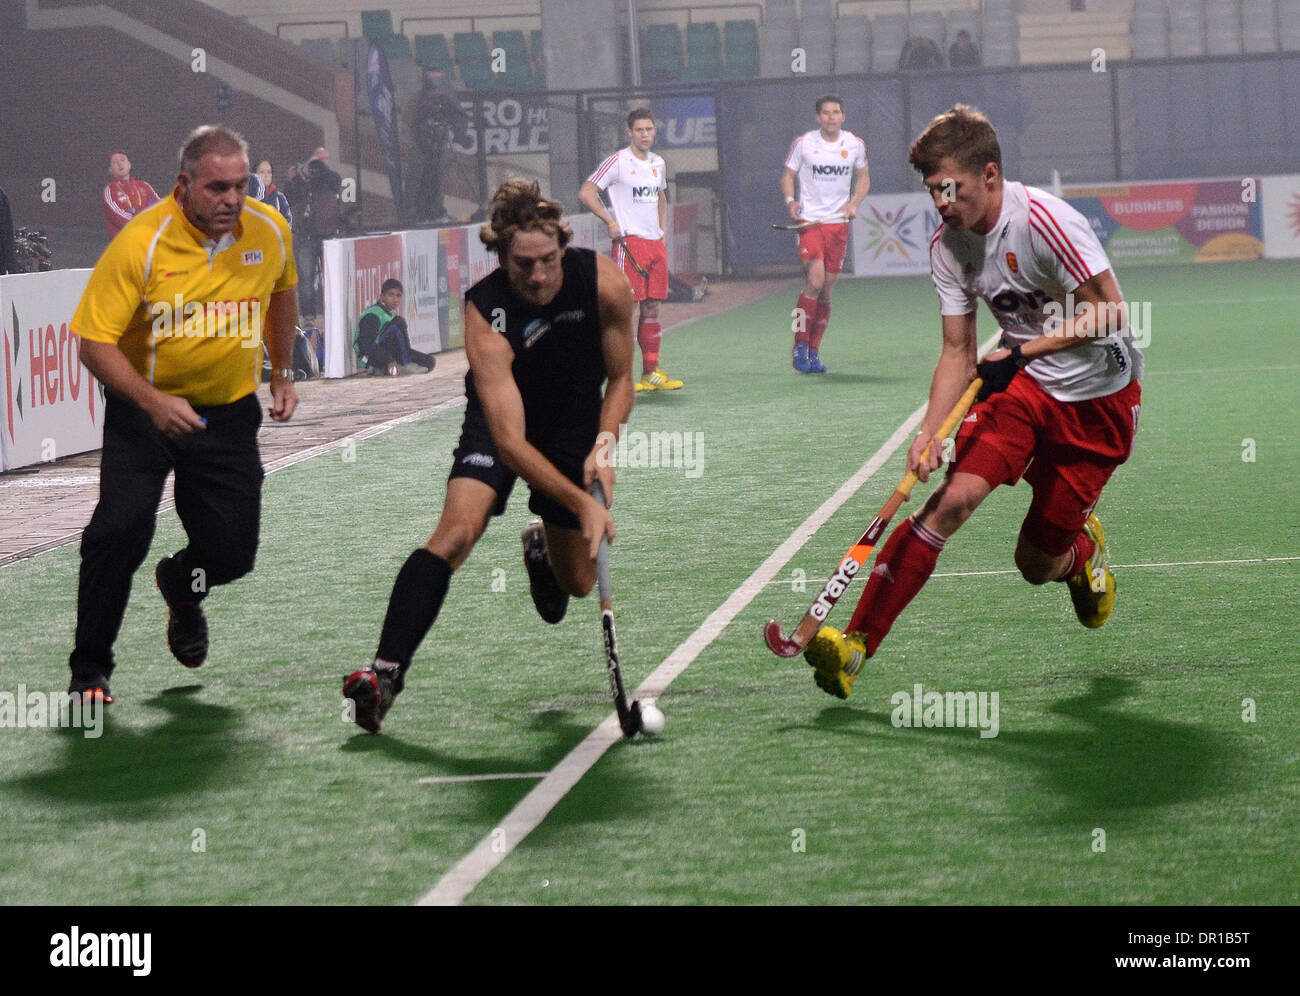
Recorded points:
(376, 23)
(538, 51)
(396, 47)
(474, 61)
(704, 51)
(519, 71)
(741, 38)
(664, 54)
(432, 52)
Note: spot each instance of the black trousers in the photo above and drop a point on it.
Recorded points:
(218, 498)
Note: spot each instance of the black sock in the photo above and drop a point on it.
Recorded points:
(417, 596)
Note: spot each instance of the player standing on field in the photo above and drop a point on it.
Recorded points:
(1060, 400)
(636, 179)
(172, 323)
(830, 163)
(543, 332)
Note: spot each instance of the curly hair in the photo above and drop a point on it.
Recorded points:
(518, 206)
(962, 132)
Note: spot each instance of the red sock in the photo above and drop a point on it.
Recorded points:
(649, 333)
(821, 317)
(1080, 550)
(807, 314)
(902, 568)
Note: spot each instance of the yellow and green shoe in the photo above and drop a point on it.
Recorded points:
(1092, 589)
(836, 659)
(657, 380)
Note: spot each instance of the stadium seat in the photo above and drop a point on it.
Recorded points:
(1259, 30)
(1001, 33)
(518, 69)
(929, 24)
(888, 33)
(396, 47)
(741, 39)
(473, 60)
(815, 13)
(704, 52)
(432, 52)
(852, 44)
(663, 63)
(774, 47)
(1223, 27)
(1150, 30)
(537, 49)
(1288, 16)
(321, 48)
(376, 23)
(1186, 30)
(780, 13)
(817, 39)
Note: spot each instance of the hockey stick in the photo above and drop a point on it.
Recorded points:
(622, 241)
(629, 717)
(852, 562)
(799, 226)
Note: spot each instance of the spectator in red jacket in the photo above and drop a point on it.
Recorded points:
(124, 198)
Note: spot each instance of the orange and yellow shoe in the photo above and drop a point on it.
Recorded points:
(1092, 589)
(657, 380)
(836, 659)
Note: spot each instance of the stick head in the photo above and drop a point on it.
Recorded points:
(778, 643)
(632, 724)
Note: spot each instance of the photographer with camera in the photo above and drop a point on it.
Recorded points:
(315, 194)
(432, 115)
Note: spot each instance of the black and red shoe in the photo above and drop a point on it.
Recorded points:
(551, 600)
(91, 688)
(187, 626)
(372, 693)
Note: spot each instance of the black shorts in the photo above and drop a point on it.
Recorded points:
(565, 444)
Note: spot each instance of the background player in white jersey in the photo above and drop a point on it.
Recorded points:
(1060, 400)
(830, 163)
(636, 180)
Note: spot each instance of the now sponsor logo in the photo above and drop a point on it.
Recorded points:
(828, 170)
(652, 450)
(102, 950)
(179, 318)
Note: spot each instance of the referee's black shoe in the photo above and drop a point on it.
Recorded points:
(187, 627)
(91, 687)
(551, 600)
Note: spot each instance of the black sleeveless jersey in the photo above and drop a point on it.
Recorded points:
(559, 365)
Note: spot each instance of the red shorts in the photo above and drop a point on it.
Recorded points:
(825, 242)
(1066, 450)
(652, 254)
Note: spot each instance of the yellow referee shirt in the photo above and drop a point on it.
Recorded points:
(188, 310)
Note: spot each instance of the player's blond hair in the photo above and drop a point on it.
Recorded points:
(518, 206)
(962, 132)
(209, 138)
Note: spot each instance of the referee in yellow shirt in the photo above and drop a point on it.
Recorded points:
(172, 322)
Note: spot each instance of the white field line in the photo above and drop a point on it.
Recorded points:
(270, 468)
(1118, 567)
(489, 852)
(460, 779)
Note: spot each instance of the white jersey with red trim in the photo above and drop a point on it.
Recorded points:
(634, 186)
(825, 171)
(1026, 269)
